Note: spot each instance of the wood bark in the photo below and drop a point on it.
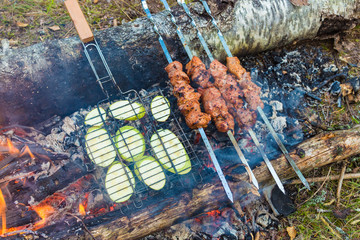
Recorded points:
(318, 151)
(54, 78)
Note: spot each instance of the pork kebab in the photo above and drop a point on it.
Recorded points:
(188, 101)
(212, 99)
(227, 84)
(244, 80)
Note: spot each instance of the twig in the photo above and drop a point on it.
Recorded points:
(318, 188)
(328, 80)
(332, 177)
(73, 215)
(338, 193)
(330, 228)
(343, 234)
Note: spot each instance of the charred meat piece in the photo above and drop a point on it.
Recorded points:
(198, 73)
(231, 92)
(250, 89)
(187, 98)
(215, 105)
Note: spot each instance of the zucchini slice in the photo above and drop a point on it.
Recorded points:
(117, 182)
(160, 108)
(99, 146)
(131, 143)
(93, 118)
(124, 110)
(175, 150)
(148, 170)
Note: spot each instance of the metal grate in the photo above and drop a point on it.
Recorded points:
(104, 149)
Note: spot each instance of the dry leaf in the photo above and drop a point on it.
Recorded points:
(299, 2)
(96, 1)
(346, 89)
(328, 136)
(115, 22)
(292, 232)
(54, 28)
(22, 25)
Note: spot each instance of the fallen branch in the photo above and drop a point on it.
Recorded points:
(331, 178)
(341, 179)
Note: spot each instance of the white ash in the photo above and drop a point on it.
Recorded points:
(330, 67)
(279, 123)
(45, 166)
(247, 145)
(296, 76)
(263, 220)
(68, 126)
(225, 229)
(31, 202)
(276, 106)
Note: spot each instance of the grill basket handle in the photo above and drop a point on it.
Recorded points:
(79, 20)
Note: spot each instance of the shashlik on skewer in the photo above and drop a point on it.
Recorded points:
(250, 89)
(187, 98)
(228, 86)
(213, 102)
(233, 64)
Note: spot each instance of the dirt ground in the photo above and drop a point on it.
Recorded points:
(319, 214)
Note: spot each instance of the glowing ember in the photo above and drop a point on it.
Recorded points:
(27, 150)
(82, 210)
(44, 212)
(213, 213)
(12, 149)
(3, 212)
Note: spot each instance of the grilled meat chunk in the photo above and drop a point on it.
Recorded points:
(250, 89)
(198, 73)
(215, 105)
(187, 98)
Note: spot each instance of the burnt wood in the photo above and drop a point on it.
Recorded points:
(54, 77)
(318, 151)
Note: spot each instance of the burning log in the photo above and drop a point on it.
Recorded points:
(55, 78)
(163, 212)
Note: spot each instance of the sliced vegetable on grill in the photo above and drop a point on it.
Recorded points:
(99, 146)
(148, 170)
(170, 151)
(118, 182)
(160, 108)
(93, 118)
(125, 110)
(131, 143)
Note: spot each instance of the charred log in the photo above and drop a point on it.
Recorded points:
(318, 151)
(54, 78)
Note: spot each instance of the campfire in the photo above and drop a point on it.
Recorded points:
(143, 160)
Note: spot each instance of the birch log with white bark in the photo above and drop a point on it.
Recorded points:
(54, 77)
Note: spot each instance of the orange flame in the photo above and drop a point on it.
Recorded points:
(27, 150)
(12, 149)
(43, 212)
(3, 212)
(82, 210)
(213, 213)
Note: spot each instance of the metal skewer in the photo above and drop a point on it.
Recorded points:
(190, 55)
(251, 132)
(262, 114)
(201, 130)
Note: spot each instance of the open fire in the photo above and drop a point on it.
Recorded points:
(52, 186)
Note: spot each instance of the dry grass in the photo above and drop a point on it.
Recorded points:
(27, 22)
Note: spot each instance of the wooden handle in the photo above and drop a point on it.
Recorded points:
(81, 25)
